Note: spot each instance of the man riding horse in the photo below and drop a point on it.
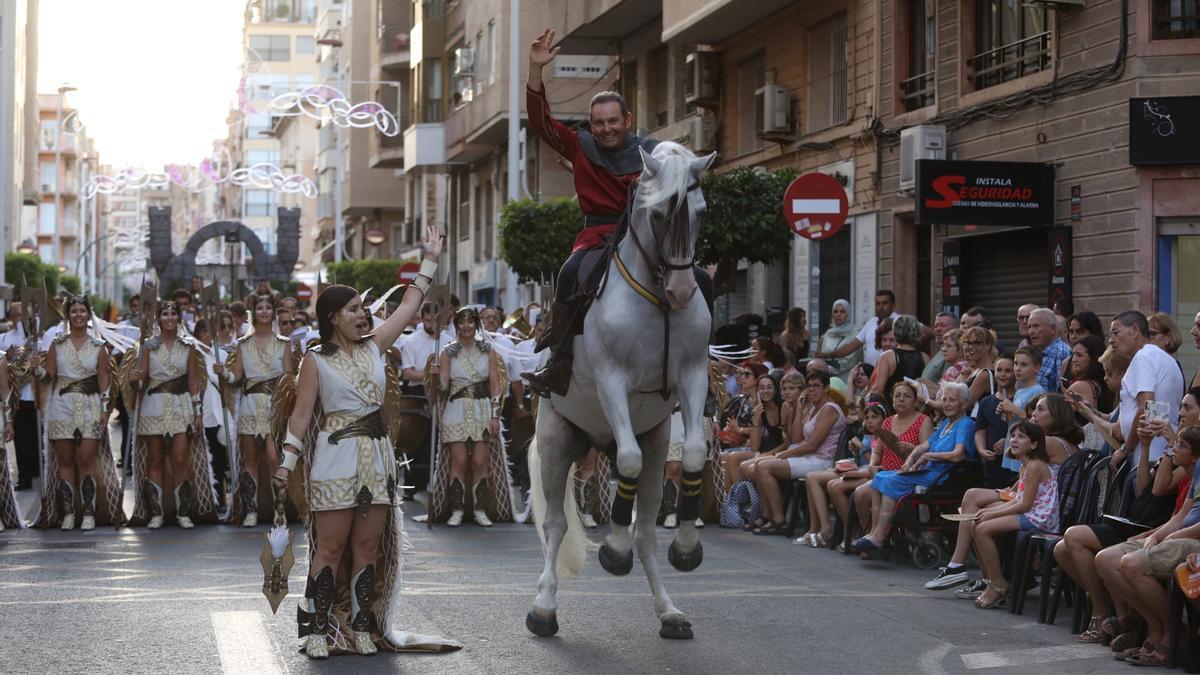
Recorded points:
(606, 161)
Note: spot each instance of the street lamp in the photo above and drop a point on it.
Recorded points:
(375, 237)
(89, 247)
(26, 247)
(298, 266)
(58, 135)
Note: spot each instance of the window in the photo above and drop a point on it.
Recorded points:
(491, 52)
(827, 74)
(489, 215)
(261, 157)
(431, 110)
(751, 75)
(49, 135)
(917, 20)
(49, 177)
(1175, 19)
(47, 219)
(256, 123)
(305, 45)
(1012, 40)
(661, 93)
(272, 47)
(478, 223)
(258, 203)
(1178, 286)
(46, 253)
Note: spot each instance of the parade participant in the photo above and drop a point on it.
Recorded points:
(353, 530)
(170, 428)
(416, 349)
(259, 359)
(226, 337)
(80, 468)
(183, 301)
(25, 416)
(471, 389)
(10, 515)
(606, 161)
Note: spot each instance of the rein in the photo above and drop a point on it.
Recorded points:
(658, 269)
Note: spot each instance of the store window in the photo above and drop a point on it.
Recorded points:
(1179, 282)
(1175, 19)
(1012, 40)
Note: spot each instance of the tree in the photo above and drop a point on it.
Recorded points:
(744, 219)
(536, 237)
(27, 268)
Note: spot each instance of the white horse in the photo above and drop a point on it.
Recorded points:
(621, 369)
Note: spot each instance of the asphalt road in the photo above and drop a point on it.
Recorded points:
(134, 601)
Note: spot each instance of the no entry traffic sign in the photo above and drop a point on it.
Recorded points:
(407, 273)
(303, 292)
(815, 205)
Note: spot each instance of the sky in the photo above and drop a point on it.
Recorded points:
(155, 78)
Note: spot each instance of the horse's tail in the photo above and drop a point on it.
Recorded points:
(572, 554)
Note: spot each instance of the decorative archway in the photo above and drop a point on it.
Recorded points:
(182, 267)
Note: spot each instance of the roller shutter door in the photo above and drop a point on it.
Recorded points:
(1002, 272)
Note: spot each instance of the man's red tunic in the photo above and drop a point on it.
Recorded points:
(601, 193)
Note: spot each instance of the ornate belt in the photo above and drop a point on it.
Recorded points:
(266, 386)
(476, 390)
(178, 385)
(88, 385)
(370, 425)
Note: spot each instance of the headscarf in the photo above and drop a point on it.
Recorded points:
(845, 330)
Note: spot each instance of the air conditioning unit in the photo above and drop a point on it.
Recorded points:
(772, 109)
(701, 75)
(464, 61)
(926, 141)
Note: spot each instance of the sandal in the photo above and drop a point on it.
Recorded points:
(817, 541)
(772, 528)
(1126, 654)
(760, 523)
(804, 540)
(997, 600)
(1124, 642)
(1095, 633)
(1156, 656)
(864, 545)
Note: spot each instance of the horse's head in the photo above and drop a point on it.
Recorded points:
(669, 196)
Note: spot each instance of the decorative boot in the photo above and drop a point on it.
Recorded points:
(362, 621)
(248, 492)
(585, 505)
(479, 499)
(66, 504)
(152, 493)
(87, 491)
(670, 494)
(456, 503)
(313, 617)
(183, 505)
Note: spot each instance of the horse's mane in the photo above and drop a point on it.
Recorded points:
(668, 189)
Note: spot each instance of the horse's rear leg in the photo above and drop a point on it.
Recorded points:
(555, 466)
(649, 494)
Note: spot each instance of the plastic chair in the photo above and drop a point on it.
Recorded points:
(1091, 509)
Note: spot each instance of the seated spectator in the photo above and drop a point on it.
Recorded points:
(1156, 492)
(1135, 571)
(860, 380)
(991, 427)
(1152, 376)
(1165, 333)
(822, 431)
(1044, 334)
(979, 350)
(1082, 324)
(904, 360)
(767, 352)
(765, 431)
(1031, 504)
(915, 428)
(1053, 414)
(840, 332)
(1102, 428)
(926, 466)
(738, 417)
(836, 485)
(1026, 362)
(1189, 416)
(795, 336)
(1084, 375)
(942, 324)
(957, 368)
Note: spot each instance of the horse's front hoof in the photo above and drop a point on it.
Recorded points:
(614, 563)
(685, 562)
(541, 627)
(677, 628)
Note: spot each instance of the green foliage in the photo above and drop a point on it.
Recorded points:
(100, 305)
(536, 237)
(71, 283)
(379, 275)
(745, 216)
(22, 268)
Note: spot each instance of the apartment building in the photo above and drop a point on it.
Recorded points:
(66, 161)
(19, 126)
(768, 84)
(297, 137)
(1080, 110)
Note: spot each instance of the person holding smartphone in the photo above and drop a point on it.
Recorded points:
(1027, 361)
(1152, 376)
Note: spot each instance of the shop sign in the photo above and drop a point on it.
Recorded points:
(951, 289)
(1160, 133)
(1060, 264)
(984, 193)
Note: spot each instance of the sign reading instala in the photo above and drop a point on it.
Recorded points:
(815, 205)
(984, 193)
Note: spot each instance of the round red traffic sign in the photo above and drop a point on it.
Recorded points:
(815, 205)
(407, 273)
(303, 292)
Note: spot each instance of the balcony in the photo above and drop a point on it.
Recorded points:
(424, 146)
(595, 26)
(394, 47)
(476, 128)
(1011, 61)
(329, 24)
(686, 21)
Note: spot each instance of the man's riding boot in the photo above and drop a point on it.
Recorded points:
(562, 315)
(555, 377)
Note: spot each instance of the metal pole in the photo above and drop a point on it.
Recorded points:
(58, 136)
(514, 129)
(81, 233)
(339, 224)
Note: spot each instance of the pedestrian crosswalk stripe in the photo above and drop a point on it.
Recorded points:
(1025, 657)
(243, 644)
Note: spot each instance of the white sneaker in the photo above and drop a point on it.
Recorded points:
(363, 644)
(68, 522)
(315, 647)
(671, 521)
(155, 523)
(184, 522)
(251, 519)
(588, 521)
(699, 523)
(89, 523)
(1, 527)
(481, 519)
(455, 519)
(948, 577)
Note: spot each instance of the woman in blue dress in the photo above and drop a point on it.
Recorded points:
(928, 464)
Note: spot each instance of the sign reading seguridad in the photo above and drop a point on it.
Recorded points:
(984, 193)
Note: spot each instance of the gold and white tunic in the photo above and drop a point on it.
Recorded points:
(469, 408)
(73, 411)
(351, 469)
(166, 408)
(261, 369)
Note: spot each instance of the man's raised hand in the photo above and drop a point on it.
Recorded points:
(540, 52)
